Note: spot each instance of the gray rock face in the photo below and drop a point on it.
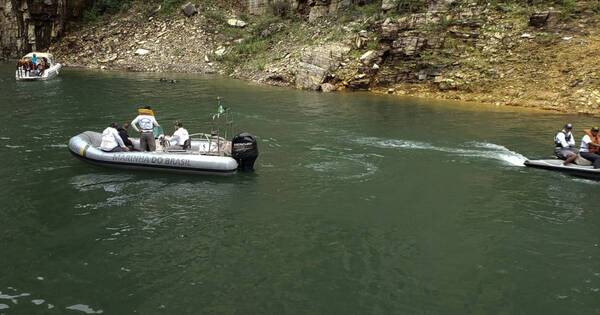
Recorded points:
(316, 65)
(318, 11)
(544, 19)
(409, 45)
(389, 5)
(257, 6)
(327, 87)
(27, 26)
(189, 9)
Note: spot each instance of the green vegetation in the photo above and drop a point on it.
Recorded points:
(100, 8)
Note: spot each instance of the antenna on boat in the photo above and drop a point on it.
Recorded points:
(222, 111)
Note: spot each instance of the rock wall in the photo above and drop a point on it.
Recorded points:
(313, 8)
(32, 25)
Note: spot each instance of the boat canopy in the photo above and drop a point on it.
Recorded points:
(40, 55)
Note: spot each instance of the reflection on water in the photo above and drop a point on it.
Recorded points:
(359, 204)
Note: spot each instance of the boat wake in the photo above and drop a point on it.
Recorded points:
(470, 149)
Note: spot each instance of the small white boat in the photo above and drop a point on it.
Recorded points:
(44, 69)
(208, 154)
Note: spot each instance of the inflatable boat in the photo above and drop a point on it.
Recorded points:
(25, 71)
(208, 154)
(583, 169)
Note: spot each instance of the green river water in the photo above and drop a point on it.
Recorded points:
(359, 204)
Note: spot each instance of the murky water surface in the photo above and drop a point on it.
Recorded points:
(360, 204)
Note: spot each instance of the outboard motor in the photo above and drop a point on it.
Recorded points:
(244, 150)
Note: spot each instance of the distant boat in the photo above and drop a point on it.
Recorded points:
(45, 68)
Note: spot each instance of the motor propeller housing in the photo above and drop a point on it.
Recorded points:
(244, 149)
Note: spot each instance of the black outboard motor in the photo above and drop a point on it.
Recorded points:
(244, 150)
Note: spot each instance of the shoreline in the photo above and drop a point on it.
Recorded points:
(453, 100)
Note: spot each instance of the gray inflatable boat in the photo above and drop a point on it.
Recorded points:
(583, 169)
(207, 155)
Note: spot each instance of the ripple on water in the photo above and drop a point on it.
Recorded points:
(344, 167)
(57, 145)
(110, 183)
(14, 146)
(84, 308)
(13, 298)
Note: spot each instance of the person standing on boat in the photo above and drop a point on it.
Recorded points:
(146, 122)
(564, 145)
(34, 62)
(590, 146)
(125, 135)
(180, 136)
(111, 141)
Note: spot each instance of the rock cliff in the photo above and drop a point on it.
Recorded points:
(533, 53)
(32, 25)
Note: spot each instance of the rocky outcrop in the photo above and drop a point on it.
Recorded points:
(316, 65)
(189, 9)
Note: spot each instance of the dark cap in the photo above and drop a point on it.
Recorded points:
(568, 126)
(595, 128)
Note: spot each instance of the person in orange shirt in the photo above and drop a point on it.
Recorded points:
(590, 146)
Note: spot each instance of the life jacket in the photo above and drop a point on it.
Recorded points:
(595, 140)
(144, 111)
(568, 136)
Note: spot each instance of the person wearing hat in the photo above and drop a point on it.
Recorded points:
(111, 141)
(590, 146)
(564, 145)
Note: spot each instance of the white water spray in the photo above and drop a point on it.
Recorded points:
(470, 149)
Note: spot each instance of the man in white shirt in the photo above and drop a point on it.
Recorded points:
(111, 141)
(146, 124)
(180, 136)
(590, 146)
(564, 145)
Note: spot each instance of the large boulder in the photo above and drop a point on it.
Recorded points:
(538, 19)
(387, 5)
(236, 23)
(368, 57)
(141, 52)
(544, 19)
(327, 87)
(189, 9)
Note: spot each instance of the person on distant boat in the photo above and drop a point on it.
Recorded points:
(125, 135)
(180, 136)
(34, 59)
(564, 145)
(146, 122)
(111, 141)
(590, 146)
